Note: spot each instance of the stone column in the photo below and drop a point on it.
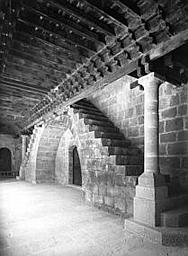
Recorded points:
(24, 145)
(151, 191)
(24, 148)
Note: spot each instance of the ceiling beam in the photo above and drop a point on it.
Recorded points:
(27, 99)
(80, 16)
(165, 47)
(18, 75)
(71, 26)
(5, 85)
(105, 15)
(16, 61)
(15, 82)
(29, 71)
(65, 37)
(67, 51)
(30, 48)
(40, 61)
(125, 7)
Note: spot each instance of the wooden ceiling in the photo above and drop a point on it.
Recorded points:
(53, 52)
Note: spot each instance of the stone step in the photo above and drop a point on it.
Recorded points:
(79, 106)
(128, 160)
(123, 151)
(177, 201)
(84, 111)
(160, 235)
(111, 135)
(93, 117)
(85, 103)
(175, 218)
(133, 170)
(115, 142)
(102, 128)
(99, 123)
(130, 171)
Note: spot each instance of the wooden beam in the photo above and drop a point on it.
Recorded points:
(5, 85)
(69, 52)
(65, 37)
(30, 48)
(80, 31)
(125, 7)
(91, 22)
(15, 82)
(105, 15)
(26, 98)
(165, 47)
(12, 72)
(40, 61)
(29, 68)
(13, 65)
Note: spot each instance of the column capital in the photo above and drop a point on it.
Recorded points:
(152, 78)
(24, 136)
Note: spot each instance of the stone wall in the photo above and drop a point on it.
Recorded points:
(14, 145)
(47, 149)
(30, 167)
(125, 107)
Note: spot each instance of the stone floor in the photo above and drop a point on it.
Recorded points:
(53, 220)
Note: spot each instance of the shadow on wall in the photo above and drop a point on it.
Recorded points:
(5, 163)
(75, 175)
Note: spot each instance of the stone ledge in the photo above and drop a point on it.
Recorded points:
(159, 235)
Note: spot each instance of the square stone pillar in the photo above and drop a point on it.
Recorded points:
(24, 145)
(24, 149)
(151, 191)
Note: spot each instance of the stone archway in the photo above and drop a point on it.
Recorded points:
(5, 162)
(75, 173)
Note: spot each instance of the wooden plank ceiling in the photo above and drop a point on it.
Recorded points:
(51, 51)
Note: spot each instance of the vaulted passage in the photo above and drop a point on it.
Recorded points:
(5, 162)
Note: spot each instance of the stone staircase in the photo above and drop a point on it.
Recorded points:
(173, 229)
(118, 146)
(176, 213)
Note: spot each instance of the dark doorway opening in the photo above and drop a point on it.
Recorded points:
(5, 163)
(77, 176)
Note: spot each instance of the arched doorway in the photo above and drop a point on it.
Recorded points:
(75, 175)
(5, 162)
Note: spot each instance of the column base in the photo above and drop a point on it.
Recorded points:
(151, 199)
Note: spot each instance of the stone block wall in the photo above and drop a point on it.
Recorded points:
(125, 107)
(29, 168)
(47, 149)
(174, 132)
